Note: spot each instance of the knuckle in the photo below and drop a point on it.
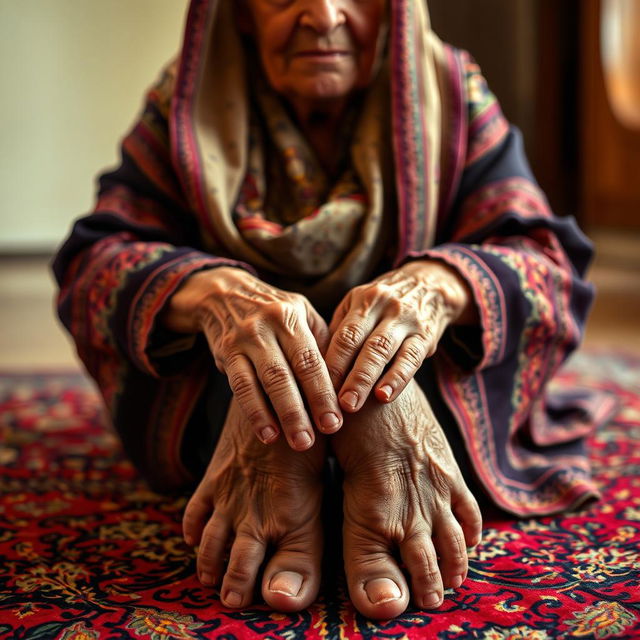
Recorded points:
(323, 398)
(256, 416)
(413, 355)
(401, 375)
(284, 314)
(274, 375)
(250, 329)
(381, 345)
(349, 336)
(306, 360)
(363, 378)
(291, 418)
(240, 383)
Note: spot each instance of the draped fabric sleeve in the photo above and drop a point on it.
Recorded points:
(525, 268)
(116, 271)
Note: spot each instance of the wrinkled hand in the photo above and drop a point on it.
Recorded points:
(392, 323)
(268, 342)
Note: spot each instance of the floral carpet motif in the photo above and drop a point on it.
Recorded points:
(88, 552)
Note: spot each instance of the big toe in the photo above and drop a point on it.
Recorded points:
(377, 586)
(291, 579)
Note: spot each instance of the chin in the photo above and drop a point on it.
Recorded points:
(325, 91)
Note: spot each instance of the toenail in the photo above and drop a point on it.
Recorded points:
(431, 601)
(329, 421)
(456, 582)
(268, 434)
(382, 590)
(302, 440)
(233, 599)
(350, 398)
(288, 583)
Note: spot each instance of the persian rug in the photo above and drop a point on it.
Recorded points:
(88, 552)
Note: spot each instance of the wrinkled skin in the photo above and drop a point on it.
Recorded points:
(403, 490)
(252, 497)
(269, 343)
(383, 331)
(289, 373)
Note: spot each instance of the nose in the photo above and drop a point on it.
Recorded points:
(323, 16)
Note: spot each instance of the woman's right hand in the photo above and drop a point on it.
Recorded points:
(269, 343)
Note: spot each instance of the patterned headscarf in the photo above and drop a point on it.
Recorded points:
(336, 233)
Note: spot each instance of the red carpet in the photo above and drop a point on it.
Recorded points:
(87, 552)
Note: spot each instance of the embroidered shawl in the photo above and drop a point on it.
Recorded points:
(460, 192)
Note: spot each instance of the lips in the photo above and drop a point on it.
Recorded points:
(321, 53)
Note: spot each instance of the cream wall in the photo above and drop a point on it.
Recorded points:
(73, 74)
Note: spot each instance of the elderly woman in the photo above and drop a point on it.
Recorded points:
(323, 233)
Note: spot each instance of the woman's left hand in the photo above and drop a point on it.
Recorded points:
(393, 323)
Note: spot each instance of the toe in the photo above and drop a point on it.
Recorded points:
(466, 510)
(450, 544)
(213, 544)
(196, 514)
(247, 554)
(292, 577)
(419, 557)
(376, 584)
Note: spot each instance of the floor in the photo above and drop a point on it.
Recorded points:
(32, 338)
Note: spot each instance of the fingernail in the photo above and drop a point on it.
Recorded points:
(431, 601)
(386, 391)
(288, 583)
(267, 434)
(233, 599)
(302, 440)
(329, 421)
(456, 582)
(206, 579)
(382, 590)
(350, 398)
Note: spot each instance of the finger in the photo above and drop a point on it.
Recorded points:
(419, 557)
(248, 392)
(451, 547)
(343, 349)
(281, 388)
(465, 508)
(409, 358)
(196, 514)
(313, 379)
(318, 328)
(340, 313)
(377, 351)
(212, 549)
(247, 554)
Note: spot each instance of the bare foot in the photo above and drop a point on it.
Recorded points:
(256, 496)
(403, 490)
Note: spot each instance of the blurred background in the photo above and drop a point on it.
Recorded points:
(74, 72)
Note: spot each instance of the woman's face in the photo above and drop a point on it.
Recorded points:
(318, 50)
